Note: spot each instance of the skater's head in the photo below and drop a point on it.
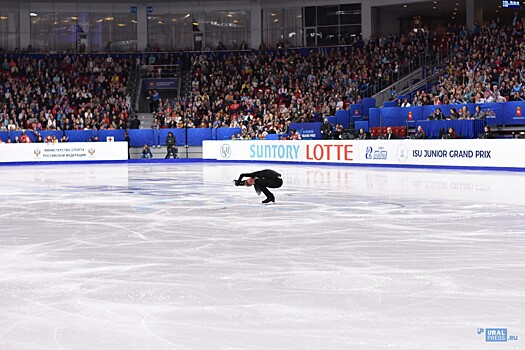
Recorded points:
(250, 181)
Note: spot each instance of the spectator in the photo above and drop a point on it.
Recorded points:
(420, 134)
(479, 114)
(451, 134)
(437, 115)
(146, 152)
(390, 135)
(134, 123)
(464, 113)
(487, 133)
(327, 130)
(171, 149)
(362, 135)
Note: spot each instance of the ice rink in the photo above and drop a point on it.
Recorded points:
(173, 256)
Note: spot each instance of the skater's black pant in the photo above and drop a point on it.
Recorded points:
(264, 184)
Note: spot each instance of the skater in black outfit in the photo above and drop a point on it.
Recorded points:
(262, 180)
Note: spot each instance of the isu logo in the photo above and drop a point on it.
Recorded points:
(226, 151)
(37, 153)
(518, 111)
(91, 152)
(409, 115)
(402, 153)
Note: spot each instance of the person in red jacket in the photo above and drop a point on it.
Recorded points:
(24, 138)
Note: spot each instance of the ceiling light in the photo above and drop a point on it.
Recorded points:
(195, 23)
(453, 17)
(109, 18)
(434, 7)
(134, 21)
(405, 5)
(121, 25)
(229, 15)
(273, 14)
(174, 20)
(276, 20)
(74, 18)
(455, 9)
(100, 20)
(188, 15)
(3, 17)
(160, 22)
(32, 14)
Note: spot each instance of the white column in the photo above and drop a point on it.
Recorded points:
(142, 27)
(25, 25)
(255, 24)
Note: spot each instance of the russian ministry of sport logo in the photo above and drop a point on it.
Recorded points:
(497, 335)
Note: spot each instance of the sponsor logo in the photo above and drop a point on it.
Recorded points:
(379, 153)
(37, 153)
(226, 151)
(91, 151)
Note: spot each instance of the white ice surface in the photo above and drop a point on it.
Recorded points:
(175, 257)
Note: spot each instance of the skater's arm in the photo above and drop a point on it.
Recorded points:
(245, 175)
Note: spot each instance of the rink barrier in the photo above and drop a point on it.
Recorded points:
(63, 152)
(466, 154)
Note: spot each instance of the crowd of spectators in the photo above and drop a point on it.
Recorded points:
(486, 65)
(72, 92)
(263, 91)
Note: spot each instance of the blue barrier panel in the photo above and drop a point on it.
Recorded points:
(118, 135)
(332, 120)
(514, 113)
(78, 135)
(410, 113)
(140, 137)
(368, 103)
(196, 136)
(272, 137)
(226, 133)
(356, 110)
(10, 135)
(494, 114)
(308, 131)
(468, 129)
(389, 117)
(362, 125)
(390, 104)
(343, 118)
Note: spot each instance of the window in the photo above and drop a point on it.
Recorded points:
(9, 31)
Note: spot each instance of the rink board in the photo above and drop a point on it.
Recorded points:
(63, 152)
(475, 153)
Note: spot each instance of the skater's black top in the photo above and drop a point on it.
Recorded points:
(262, 174)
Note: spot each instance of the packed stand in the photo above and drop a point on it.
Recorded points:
(486, 66)
(264, 91)
(71, 92)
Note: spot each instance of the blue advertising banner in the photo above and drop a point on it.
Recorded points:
(160, 83)
(308, 131)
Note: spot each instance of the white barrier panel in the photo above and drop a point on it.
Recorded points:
(460, 153)
(74, 151)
